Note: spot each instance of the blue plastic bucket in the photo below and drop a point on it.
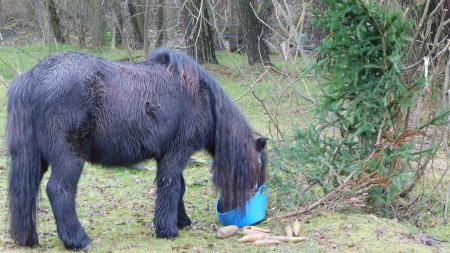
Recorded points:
(255, 210)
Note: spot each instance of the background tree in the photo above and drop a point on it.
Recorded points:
(146, 25)
(42, 17)
(54, 21)
(252, 31)
(98, 23)
(160, 23)
(127, 27)
(265, 11)
(117, 36)
(199, 33)
(137, 11)
(80, 17)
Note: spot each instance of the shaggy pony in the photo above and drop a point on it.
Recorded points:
(72, 108)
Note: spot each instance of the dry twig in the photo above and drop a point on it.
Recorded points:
(319, 202)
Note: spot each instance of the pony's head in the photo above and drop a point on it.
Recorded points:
(260, 143)
(239, 155)
(244, 172)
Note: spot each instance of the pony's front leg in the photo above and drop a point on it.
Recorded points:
(168, 180)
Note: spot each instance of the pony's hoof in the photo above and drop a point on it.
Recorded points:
(185, 222)
(87, 247)
(82, 245)
(167, 233)
(31, 241)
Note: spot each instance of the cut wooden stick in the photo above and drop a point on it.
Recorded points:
(286, 238)
(227, 231)
(266, 242)
(251, 231)
(296, 228)
(288, 230)
(255, 228)
(253, 237)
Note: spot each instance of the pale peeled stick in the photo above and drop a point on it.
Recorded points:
(286, 238)
(246, 231)
(255, 228)
(227, 231)
(253, 237)
(266, 242)
(296, 228)
(288, 230)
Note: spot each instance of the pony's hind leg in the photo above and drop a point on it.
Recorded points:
(168, 180)
(61, 190)
(183, 218)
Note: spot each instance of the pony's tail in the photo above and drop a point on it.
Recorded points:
(25, 163)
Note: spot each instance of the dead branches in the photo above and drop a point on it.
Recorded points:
(350, 193)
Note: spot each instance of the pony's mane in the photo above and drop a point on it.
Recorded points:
(185, 67)
(235, 167)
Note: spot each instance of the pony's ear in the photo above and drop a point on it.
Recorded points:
(261, 143)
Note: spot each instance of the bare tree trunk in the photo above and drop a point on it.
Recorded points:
(117, 23)
(98, 23)
(252, 29)
(42, 17)
(266, 10)
(118, 32)
(217, 24)
(81, 22)
(54, 21)
(136, 13)
(140, 6)
(160, 23)
(113, 37)
(199, 34)
(127, 26)
(447, 6)
(146, 22)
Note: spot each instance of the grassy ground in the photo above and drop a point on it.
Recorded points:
(115, 205)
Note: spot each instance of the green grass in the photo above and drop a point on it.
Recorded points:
(115, 205)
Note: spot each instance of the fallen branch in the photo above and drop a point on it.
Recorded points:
(318, 202)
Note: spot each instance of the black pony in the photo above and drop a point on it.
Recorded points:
(72, 108)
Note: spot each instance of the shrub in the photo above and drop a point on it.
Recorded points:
(361, 126)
